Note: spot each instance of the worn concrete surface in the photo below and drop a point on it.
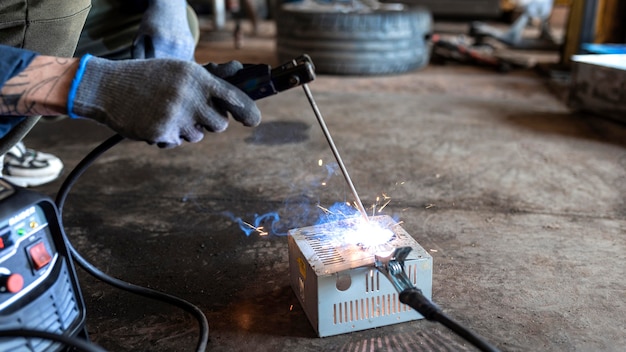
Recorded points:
(519, 201)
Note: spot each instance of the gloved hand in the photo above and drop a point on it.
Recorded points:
(164, 32)
(162, 101)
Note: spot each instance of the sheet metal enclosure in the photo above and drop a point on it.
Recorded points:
(337, 284)
(598, 83)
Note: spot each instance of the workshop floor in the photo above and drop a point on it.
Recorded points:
(520, 202)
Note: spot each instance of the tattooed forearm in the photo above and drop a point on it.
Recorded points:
(41, 89)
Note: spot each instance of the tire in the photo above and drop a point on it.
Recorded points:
(389, 40)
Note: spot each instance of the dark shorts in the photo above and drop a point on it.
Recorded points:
(49, 27)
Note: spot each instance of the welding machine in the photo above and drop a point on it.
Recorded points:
(39, 288)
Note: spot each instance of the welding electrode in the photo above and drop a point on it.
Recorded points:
(344, 171)
(260, 81)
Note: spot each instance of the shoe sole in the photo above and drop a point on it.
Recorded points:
(22, 181)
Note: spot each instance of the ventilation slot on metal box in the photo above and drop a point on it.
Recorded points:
(372, 281)
(328, 254)
(368, 308)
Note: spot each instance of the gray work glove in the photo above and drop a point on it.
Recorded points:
(160, 101)
(164, 32)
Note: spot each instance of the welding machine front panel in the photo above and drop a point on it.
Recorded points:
(340, 297)
(38, 285)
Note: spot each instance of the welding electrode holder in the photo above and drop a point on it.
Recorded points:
(260, 80)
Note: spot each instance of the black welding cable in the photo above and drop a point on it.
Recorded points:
(97, 273)
(76, 343)
(414, 298)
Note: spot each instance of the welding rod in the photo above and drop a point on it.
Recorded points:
(344, 171)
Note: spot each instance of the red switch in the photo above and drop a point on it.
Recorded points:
(39, 255)
(14, 283)
(5, 240)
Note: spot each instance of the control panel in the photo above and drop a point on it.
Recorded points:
(38, 285)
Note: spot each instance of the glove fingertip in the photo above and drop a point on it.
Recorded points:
(249, 116)
(213, 120)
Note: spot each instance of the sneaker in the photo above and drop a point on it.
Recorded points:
(29, 168)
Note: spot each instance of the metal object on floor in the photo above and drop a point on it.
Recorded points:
(597, 83)
(457, 50)
(539, 10)
(332, 272)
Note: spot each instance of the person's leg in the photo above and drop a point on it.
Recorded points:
(50, 27)
(109, 30)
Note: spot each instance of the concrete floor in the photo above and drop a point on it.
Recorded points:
(519, 201)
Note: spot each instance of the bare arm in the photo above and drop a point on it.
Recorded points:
(41, 89)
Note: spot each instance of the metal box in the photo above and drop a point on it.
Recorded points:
(333, 275)
(599, 85)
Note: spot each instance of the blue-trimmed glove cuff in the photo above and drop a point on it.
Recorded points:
(75, 83)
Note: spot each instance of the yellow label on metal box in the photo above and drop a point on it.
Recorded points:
(302, 267)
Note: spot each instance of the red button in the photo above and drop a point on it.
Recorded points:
(15, 283)
(40, 256)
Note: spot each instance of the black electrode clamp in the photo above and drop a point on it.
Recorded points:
(260, 81)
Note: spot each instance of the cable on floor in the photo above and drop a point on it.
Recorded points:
(414, 298)
(76, 343)
(98, 274)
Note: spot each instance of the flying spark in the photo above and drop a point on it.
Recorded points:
(258, 229)
(384, 205)
(325, 210)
